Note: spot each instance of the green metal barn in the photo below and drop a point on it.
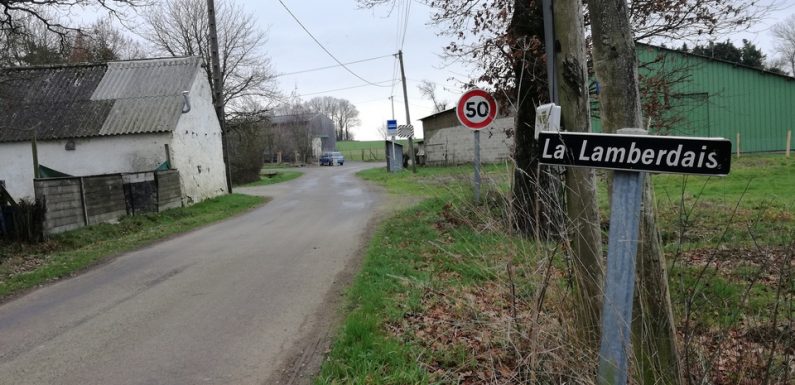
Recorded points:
(701, 96)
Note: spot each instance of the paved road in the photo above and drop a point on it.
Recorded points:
(231, 303)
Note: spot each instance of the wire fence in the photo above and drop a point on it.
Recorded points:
(365, 154)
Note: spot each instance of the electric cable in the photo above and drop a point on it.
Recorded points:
(342, 89)
(328, 67)
(324, 48)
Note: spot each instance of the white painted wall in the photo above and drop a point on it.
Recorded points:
(456, 145)
(92, 156)
(196, 146)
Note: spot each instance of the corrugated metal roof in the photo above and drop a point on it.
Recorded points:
(56, 101)
(145, 78)
(143, 115)
(73, 101)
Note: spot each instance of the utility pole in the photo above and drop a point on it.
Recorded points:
(218, 90)
(408, 117)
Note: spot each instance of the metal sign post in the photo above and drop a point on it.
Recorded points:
(477, 166)
(476, 109)
(391, 130)
(632, 153)
(622, 249)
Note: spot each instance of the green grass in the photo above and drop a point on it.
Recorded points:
(279, 177)
(437, 181)
(27, 266)
(755, 202)
(717, 301)
(447, 246)
(363, 352)
(411, 255)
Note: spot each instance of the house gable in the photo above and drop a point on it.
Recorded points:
(91, 100)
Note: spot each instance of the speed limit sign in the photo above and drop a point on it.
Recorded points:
(476, 109)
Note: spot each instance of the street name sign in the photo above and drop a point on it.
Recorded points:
(632, 154)
(661, 154)
(476, 109)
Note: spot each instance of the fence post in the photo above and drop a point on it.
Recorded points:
(738, 144)
(789, 141)
(168, 156)
(83, 200)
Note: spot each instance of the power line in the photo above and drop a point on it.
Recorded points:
(345, 88)
(324, 48)
(405, 24)
(328, 67)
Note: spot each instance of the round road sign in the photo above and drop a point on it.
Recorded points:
(476, 109)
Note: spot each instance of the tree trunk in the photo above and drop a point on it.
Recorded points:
(654, 335)
(537, 208)
(581, 202)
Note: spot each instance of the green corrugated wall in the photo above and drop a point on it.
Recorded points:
(725, 99)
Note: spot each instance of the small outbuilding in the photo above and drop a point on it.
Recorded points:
(447, 142)
(305, 135)
(116, 117)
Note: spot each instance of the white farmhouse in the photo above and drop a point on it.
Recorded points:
(116, 117)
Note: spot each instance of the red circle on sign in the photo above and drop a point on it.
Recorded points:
(470, 109)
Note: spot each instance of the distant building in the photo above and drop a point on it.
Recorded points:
(717, 98)
(447, 142)
(306, 134)
(713, 99)
(115, 117)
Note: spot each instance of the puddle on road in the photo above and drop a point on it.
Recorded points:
(352, 192)
(354, 205)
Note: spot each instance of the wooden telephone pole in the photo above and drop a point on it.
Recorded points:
(408, 117)
(218, 90)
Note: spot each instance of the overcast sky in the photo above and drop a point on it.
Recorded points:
(353, 34)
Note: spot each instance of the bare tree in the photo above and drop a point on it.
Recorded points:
(31, 43)
(180, 28)
(248, 139)
(106, 42)
(34, 44)
(326, 105)
(341, 111)
(347, 117)
(14, 14)
(784, 33)
(428, 89)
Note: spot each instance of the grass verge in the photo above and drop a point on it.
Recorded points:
(25, 266)
(275, 177)
(448, 295)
